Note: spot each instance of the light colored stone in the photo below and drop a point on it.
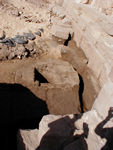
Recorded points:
(54, 49)
(27, 139)
(60, 29)
(82, 1)
(105, 100)
(58, 72)
(103, 6)
(91, 38)
(59, 12)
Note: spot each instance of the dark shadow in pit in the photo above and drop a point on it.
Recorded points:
(38, 77)
(61, 134)
(81, 90)
(67, 41)
(105, 132)
(19, 109)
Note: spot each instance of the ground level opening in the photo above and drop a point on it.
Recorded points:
(20, 109)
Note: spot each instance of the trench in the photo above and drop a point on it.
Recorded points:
(20, 109)
(81, 84)
(89, 86)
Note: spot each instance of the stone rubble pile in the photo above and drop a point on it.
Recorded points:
(20, 46)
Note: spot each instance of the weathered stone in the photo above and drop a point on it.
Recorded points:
(65, 81)
(38, 33)
(58, 72)
(61, 30)
(77, 58)
(59, 97)
(20, 39)
(59, 12)
(9, 42)
(74, 56)
(54, 49)
(29, 36)
(27, 139)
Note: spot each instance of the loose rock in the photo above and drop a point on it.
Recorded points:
(29, 36)
(8, 41)
(41, 29)
(20, 39)
(38, 33)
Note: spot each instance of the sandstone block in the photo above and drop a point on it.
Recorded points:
(61, 31)
(58, 72)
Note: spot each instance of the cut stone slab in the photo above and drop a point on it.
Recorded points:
(61, 31)
(77, 58)
(74, 56)
(63, 100)
(64, 87)
(58, 72)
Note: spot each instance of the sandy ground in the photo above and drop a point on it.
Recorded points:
(21, 16)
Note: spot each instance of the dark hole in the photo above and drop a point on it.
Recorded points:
(81, 89)
(20, 109)
(67, 41)
(39, 77)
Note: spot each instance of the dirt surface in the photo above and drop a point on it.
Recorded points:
(21, 16)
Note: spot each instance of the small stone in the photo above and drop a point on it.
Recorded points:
(29, 36)
(20, 39)
(85, 61)
(41, 29)
(19, 57)
(8, 41)
(15, 12)
(38, 33)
